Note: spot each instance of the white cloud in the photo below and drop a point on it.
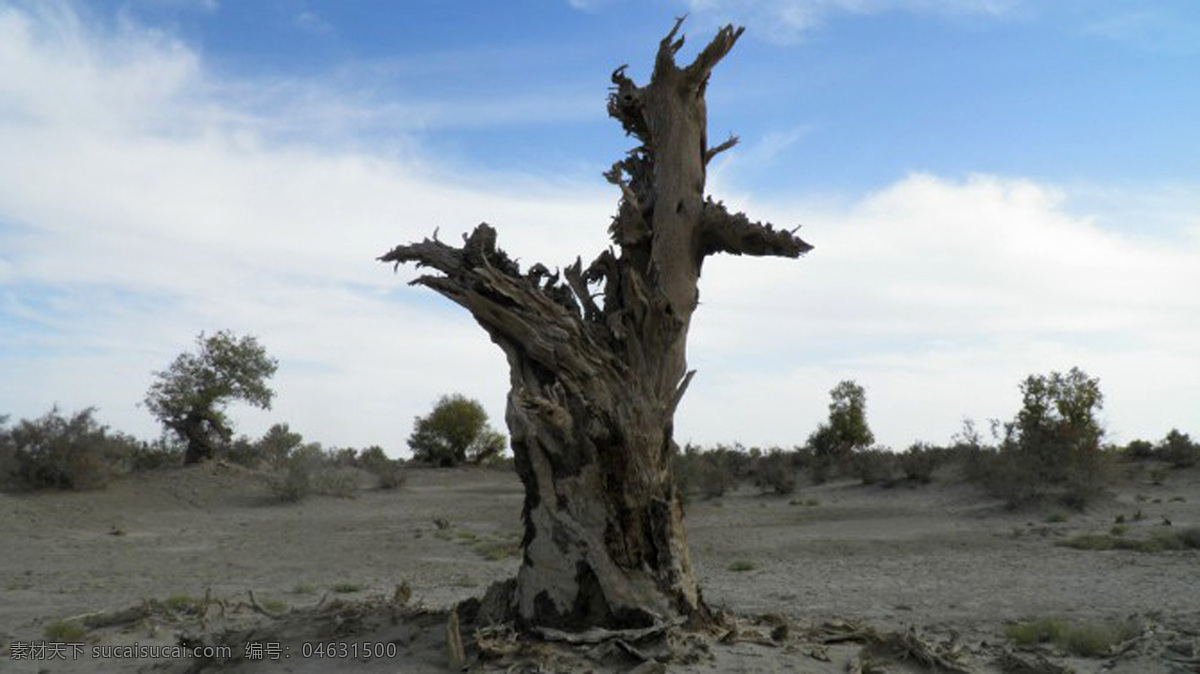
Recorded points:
(940, 296)
(142, 202)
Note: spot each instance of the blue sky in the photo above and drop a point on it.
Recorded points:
(995, 188)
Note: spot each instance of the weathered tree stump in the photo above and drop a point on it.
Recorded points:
(595, 385)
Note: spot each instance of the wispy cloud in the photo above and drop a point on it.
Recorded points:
(1150, 27)
(789, 20)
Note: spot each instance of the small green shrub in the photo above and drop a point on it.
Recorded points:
(391, 475)
(1087, 639)
(346, 588)
(742, 565)
(65, 631)
(1040, 631)
(496, 550)
(60, 452)
(713, 478)
(183, 603)
(332, 481)
(295, 484)
(919, 461)
(776, 472)
(875, 466)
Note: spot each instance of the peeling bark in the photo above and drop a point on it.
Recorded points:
(594, 386)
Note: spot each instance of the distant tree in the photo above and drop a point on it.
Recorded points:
(1057, 428)
(277, 444)
(1179, 449)
(455, 431)
(1054, 443)
(1139, 449)
(846, 430)
(190, 396)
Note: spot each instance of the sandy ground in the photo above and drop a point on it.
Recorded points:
(939, 558)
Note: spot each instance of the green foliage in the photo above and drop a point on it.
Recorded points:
(742, 565)
(65, 631)
(1052, 446)
(164, 452)
(776, 472)
(1087, 639)
(834, 442)
(309, 470)
(1178, 449)
(1139, 450)
(59, 452)
(455, 431)
(278, 443)
(875, 466)
(190, 396)
(390, 472)
(919, 461)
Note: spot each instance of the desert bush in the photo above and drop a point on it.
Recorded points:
(164, 452)
(311, 470)
(1158, 541)
(876, 465)
(334, 480)
(65, 631)
(60, 452)
(1087, 639)
(389, 471)
(241, 451)
(919, 461)
(713, 476)
(391, 475)
(1139, 450)
(776, 472)
(1178, 449)
(295, 484)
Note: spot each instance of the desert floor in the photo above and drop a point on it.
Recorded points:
(940, 558)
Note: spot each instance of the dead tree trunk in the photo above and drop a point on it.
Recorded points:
(594, 386)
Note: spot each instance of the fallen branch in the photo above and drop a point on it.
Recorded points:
(598, 635)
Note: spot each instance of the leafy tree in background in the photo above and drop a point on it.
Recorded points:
(1179, 449)
(454, 432)
(190, 396)
(846, 430)
(1053, 444)
(278, 443)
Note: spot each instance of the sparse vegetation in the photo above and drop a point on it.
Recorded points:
(876, 465)
(60, 452)
(742, 565)
(65, 631)
(776, 472)
(1179, 450)
(1158, 541)
(1087, 639)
